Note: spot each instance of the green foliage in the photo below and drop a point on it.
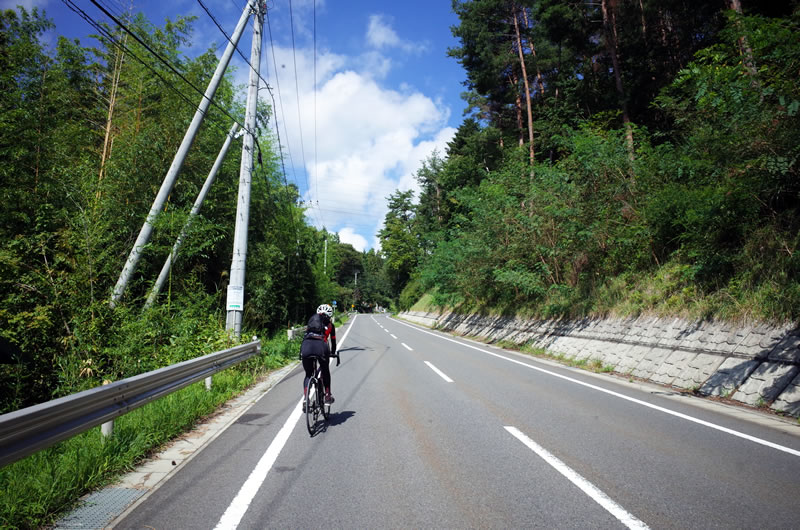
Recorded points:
(43, 485)
(692, 212)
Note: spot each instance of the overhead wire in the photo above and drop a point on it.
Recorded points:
(267, 86)
(316, 163)
(114, 40)
(280, 99)
(169, 65)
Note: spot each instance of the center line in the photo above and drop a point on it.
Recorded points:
(392, 336)
(406, 346)
(619, 395)
(587, 487)
(441, 374)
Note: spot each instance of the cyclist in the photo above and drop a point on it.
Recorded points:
(315, 344)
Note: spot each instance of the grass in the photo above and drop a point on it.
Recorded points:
(39, 488)
(594, 365)
(668, 291)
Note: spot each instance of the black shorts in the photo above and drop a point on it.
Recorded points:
(314, 348)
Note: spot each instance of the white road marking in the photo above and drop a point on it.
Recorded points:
(441, 374)
(587, 487)
(621, 396)
(233, 515)
(406, 346)
(392, 336)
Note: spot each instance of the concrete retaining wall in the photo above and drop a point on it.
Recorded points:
(755, 365)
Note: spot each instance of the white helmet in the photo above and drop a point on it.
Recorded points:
(326, 309)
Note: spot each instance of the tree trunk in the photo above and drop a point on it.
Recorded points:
(643, 20)
(525, 81)
(744, 47)
(610, 26)
(539, 80)
(514, 81)
(115, 75)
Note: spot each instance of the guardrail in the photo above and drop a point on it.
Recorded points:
(26, 431)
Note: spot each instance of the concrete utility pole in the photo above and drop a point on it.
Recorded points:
(198, 203)
(180, 156)
(235, 298)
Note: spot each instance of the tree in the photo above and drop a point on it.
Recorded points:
(399, 242)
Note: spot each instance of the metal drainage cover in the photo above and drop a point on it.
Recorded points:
(100, 508)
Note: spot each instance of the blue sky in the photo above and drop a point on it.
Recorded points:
(386, 94)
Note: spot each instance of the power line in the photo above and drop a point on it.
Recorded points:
(266, 84)
(165, 62)
(280, 99)
(105, 32)
(297, 92)
(316, 163)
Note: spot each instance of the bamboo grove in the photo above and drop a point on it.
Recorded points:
(86, 136)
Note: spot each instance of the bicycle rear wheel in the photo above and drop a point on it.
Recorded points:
(324, 407)
(312, 406)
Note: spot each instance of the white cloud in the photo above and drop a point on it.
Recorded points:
(348, 235)
(361, 140)
(380, 35)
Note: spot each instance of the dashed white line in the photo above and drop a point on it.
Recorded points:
(406, 346)
(587, 487)
(686, 417)
(392, 336)
(441, 374)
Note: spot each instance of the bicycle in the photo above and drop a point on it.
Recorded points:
(314, 400)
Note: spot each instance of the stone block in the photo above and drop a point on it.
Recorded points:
(651, 361)
(770, 337)
(700, 368)
(674, 365)
(766, 383)
(729, 376)
(788, 349)
(627, 358)
(789, 400)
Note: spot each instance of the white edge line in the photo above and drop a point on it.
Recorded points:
(233, 515)
(406, 346)
(441, 374)
(587, 487)
(621, 396)
(238, 507)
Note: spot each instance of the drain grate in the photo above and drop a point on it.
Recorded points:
(100, 508)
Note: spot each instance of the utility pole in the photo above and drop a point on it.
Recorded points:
(235, 297)
(198, 203)
(177, 162)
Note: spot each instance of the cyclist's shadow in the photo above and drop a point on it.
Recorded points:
(337, 418)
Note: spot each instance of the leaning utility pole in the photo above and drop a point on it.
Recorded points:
(235, 298)
(198, 203)
(180, 156)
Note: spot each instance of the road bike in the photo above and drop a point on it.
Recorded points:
(317, 411)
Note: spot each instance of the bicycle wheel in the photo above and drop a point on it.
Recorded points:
(324, 407)
(312, 406)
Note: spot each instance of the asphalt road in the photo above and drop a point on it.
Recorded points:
(432, 431)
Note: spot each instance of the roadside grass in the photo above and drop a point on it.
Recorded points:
(37, 489)
(593, 365)
(667, 291)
